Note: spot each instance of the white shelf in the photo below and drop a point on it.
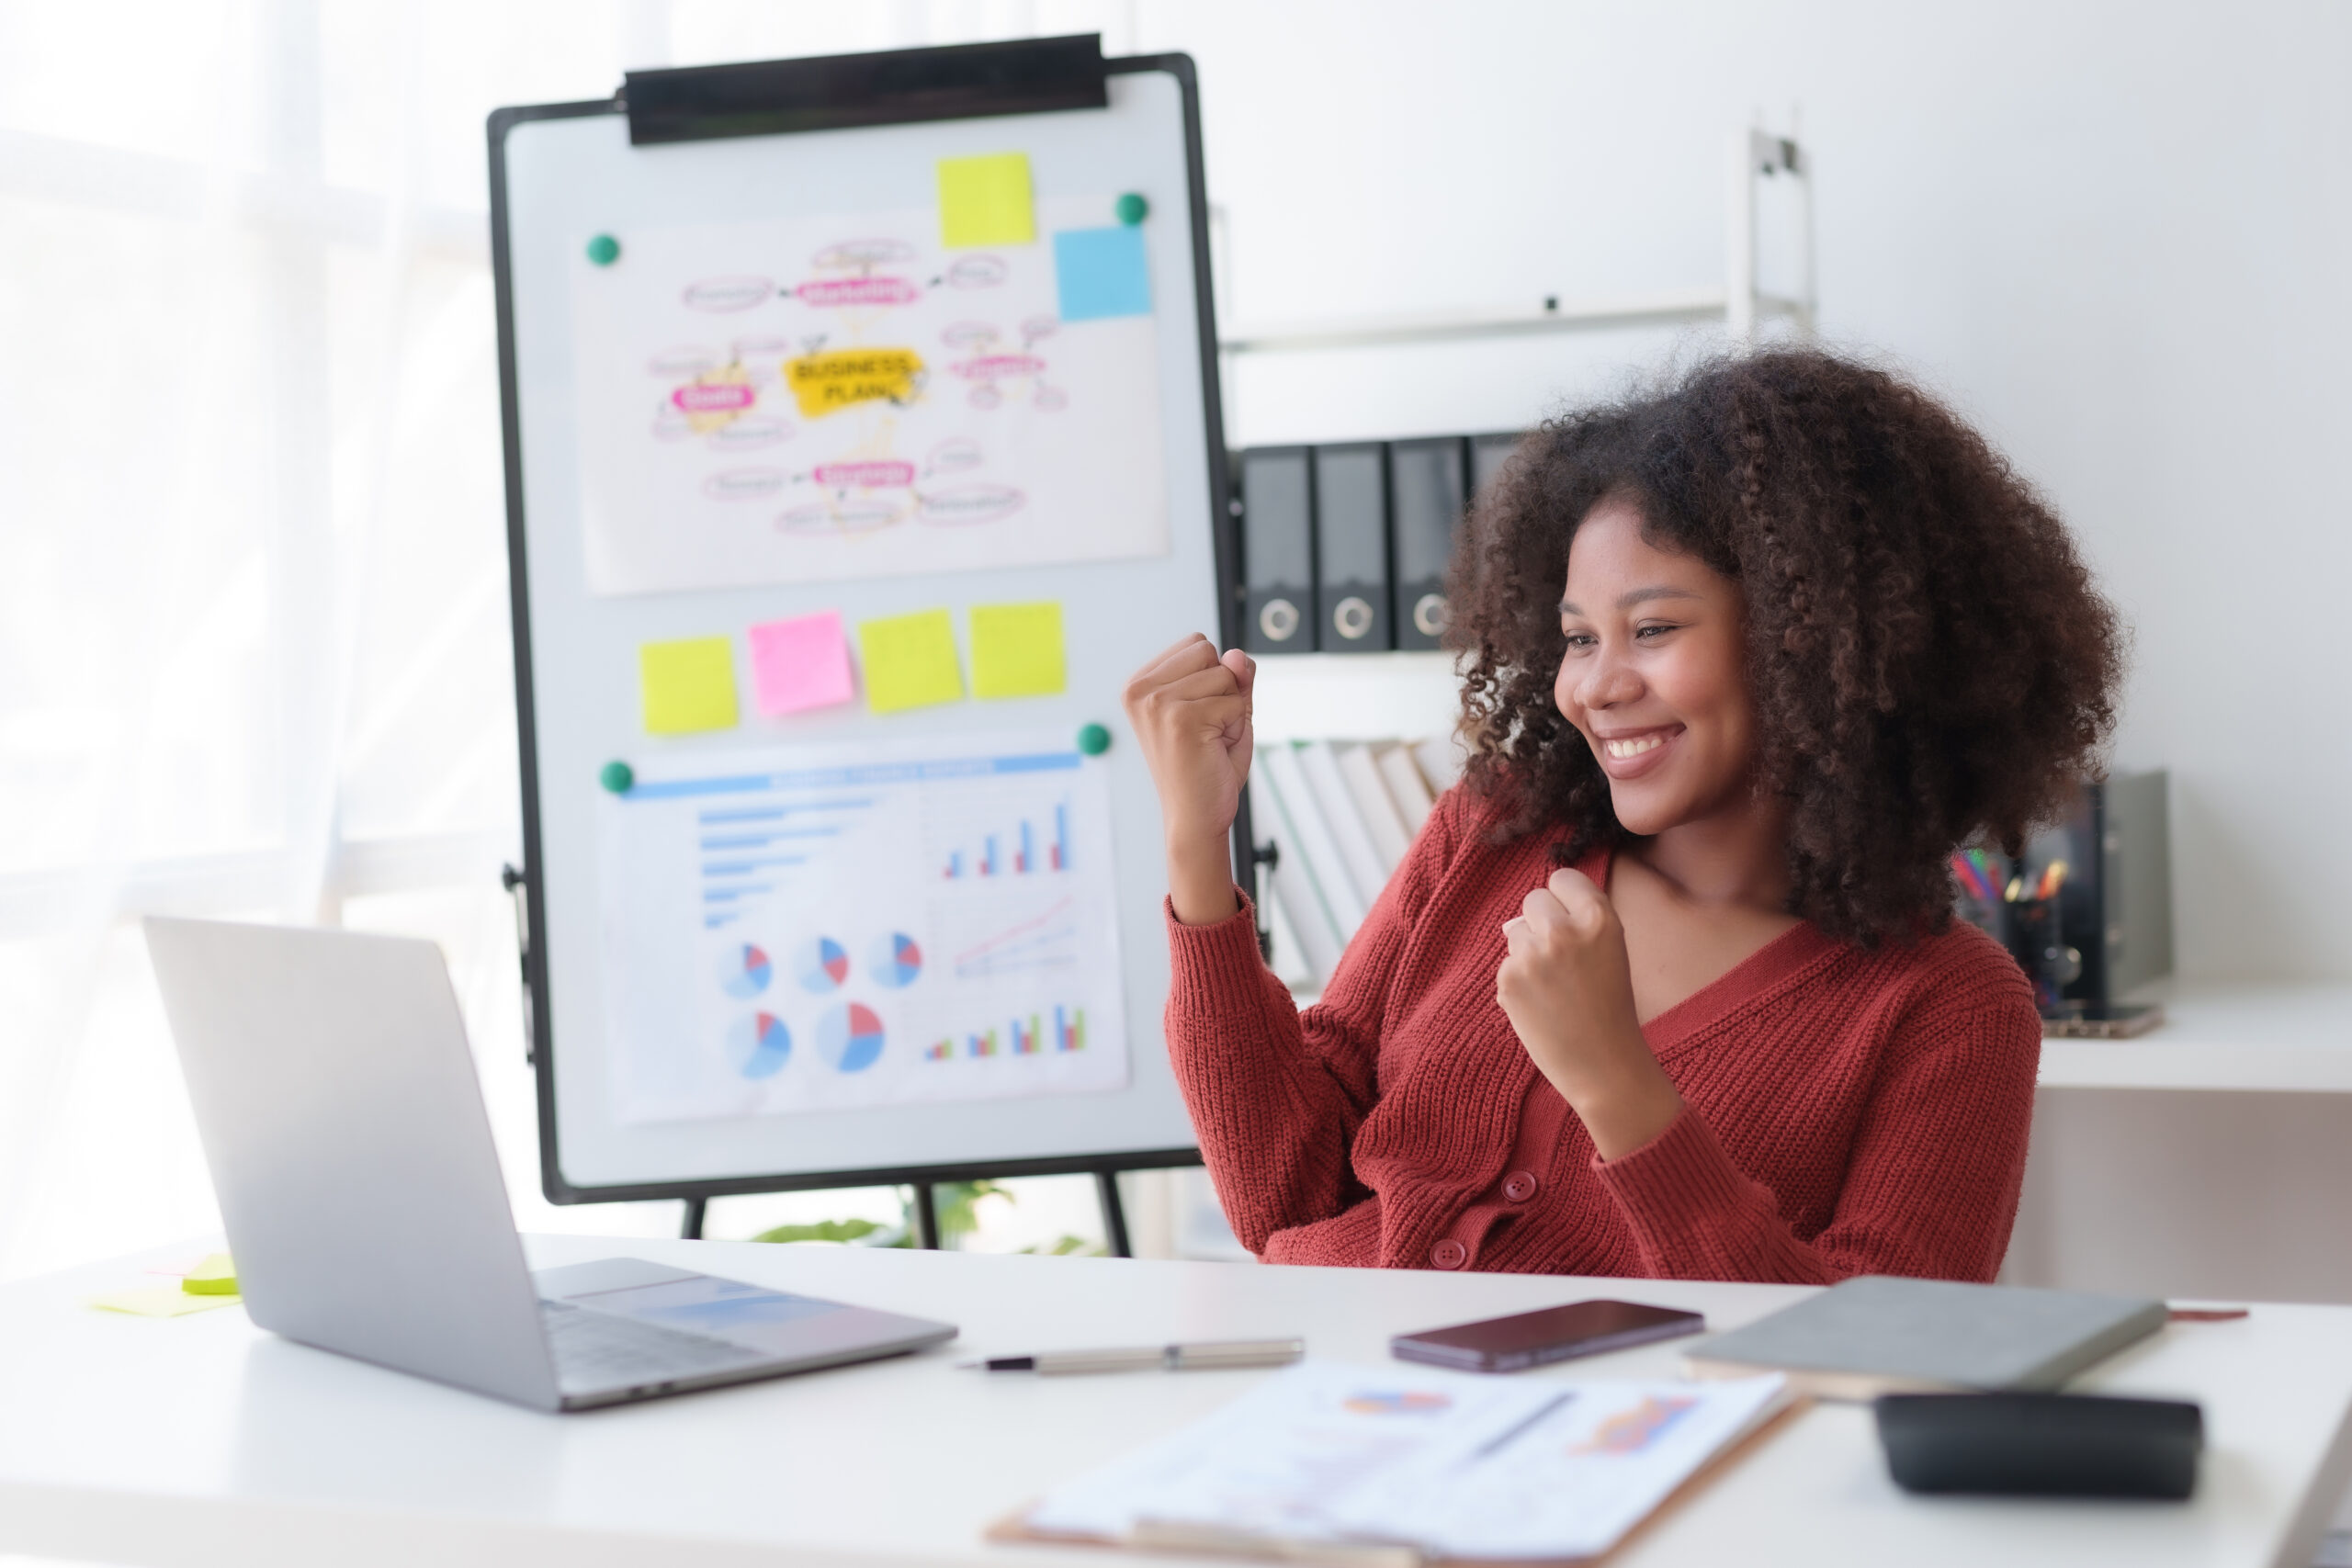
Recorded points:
(1740, 304)
(2279, 1038)
(2276, 1036)
(1680, 309)
(1355, 696)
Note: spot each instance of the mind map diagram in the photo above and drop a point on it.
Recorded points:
(811, 401)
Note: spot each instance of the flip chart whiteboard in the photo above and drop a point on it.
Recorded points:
(850, 471)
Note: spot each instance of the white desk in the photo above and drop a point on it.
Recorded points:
(202, 1441)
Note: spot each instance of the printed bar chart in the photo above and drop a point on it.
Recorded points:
(988, 854)
(755, 842)
(1027, 1037)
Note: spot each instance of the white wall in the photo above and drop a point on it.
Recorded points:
(2114, 234)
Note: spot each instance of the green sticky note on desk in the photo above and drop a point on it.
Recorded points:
(1017, 651)
(158, 1301)
(689, 685)
(216, 1276)
(986, 201)
(910, 661)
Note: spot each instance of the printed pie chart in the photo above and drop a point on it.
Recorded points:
(850, 1037)
(744, 971)
(759, 1045)
(821, 964)
(897, 961)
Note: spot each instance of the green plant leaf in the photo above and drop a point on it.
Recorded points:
(823, 1230)
(954, 1203)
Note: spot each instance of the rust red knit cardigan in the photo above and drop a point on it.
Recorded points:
(1845, 1111)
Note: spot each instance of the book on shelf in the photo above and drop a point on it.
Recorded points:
(1382, 820)
(1439, 759)
(1342, 817)
(1318, 851)
(1286, 954)
(1360, 860)
(1407, 786)
(1309, 915)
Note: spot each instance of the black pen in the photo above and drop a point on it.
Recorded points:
(1206, 1355)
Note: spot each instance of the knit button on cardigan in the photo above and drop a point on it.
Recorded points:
(1845, 1111)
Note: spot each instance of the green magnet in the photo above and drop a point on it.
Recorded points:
(1094, 739)
(1131, 209)
(604, 250)
(617, 778)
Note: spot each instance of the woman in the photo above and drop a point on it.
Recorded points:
(1670, 985)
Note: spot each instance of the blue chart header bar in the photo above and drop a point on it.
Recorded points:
(860, 774)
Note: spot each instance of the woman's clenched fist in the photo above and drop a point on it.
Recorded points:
(1567, 990)
(1189, 707)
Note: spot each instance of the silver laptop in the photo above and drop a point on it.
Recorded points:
(352, 1154)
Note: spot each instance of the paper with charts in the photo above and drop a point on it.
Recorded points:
(1454, 1464)
(841, 397)
(818, 928)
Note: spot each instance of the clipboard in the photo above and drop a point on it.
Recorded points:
(1161, 1537)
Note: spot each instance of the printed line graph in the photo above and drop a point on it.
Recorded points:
(1045, 941)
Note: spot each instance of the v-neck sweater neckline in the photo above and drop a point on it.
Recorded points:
(1782, 959)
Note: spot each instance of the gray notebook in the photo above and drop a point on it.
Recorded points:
(1879, 1335)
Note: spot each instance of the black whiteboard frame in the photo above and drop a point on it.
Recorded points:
(1226, 544)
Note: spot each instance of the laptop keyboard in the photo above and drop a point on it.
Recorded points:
(594, 1349)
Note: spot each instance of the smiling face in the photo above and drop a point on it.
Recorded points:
(1654, 674)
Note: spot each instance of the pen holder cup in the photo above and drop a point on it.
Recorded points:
(2037, 941)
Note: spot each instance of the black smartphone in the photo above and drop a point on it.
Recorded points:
(1554, 1334)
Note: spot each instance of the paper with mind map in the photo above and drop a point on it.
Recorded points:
(809, 929)
(829, 397)
(1454, 1464)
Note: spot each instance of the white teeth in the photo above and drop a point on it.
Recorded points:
(1633, 748)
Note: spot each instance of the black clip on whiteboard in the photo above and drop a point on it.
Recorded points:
(778, 97)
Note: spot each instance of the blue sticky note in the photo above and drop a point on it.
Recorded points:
(1101, 273)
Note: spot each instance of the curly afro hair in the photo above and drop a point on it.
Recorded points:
(1930, 660)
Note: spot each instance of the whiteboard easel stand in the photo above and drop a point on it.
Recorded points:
(1741, 304)
(958, 82)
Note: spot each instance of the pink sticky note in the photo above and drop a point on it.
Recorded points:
(801, 664)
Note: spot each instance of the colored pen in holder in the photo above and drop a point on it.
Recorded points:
(2021, 911)
(1979, 875)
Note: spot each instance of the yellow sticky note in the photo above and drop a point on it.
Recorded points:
(910, 661)
(689, 685)
(984, 201)
(1017, 651)
(158, 1301)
